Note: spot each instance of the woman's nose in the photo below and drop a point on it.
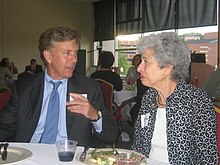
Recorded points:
(139, 68)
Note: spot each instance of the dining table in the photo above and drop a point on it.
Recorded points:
(46, 154)
(126, 93)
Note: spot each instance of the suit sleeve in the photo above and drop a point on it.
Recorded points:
(110, 129)
(26, 69)
(8, 119)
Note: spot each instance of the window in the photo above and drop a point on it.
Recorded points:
(203, 40)
(199, 40)
(147, 19)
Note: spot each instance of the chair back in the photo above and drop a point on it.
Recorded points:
(24, 74)
(4, 97)
(107, 92)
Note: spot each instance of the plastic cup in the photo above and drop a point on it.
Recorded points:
(128, 159)
(66, 149)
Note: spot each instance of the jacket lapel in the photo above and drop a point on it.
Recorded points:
(36, 97)
(73, 85)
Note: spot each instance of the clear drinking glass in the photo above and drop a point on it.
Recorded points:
(128, 159)
(66, 149)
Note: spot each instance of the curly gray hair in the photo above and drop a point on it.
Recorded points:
(168, 49)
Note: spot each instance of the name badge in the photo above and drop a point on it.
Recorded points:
(84, 95)
(144, 120)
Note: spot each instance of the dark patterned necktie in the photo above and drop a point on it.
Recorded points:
(51, 125)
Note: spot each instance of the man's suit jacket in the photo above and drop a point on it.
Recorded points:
(38, 69)
(20, 117)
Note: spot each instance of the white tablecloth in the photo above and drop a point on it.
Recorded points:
(46, 154)
(120, 96)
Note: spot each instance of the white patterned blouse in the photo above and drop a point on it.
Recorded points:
(191, 126)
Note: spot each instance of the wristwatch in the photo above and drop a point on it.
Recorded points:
(99, 116)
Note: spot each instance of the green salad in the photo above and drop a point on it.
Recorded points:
(103, 157)
(106, 156)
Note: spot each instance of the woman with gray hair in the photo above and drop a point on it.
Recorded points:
(176, 123)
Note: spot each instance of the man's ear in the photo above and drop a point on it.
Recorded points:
(47, 56)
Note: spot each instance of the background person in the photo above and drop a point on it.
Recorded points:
(212, 86)
(176, 123)
(106, 60)
(132, 74)
(141, 89)
(33, 67)
(13, 69)
(5, 74)
(25, 116)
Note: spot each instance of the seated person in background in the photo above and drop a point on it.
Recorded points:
(176, 123)
(106, 60)
(133, 74)
(33, 67)
(13, 69)
(5, 74)
(27, 116)
(212, 86)
(141, 89)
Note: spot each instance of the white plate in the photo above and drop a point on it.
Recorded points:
(16, 155)
(106, 149)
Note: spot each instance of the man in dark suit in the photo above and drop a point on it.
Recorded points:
(212, 86)
(33, 67)
(24, 117)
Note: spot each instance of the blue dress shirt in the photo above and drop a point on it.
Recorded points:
(62, 131)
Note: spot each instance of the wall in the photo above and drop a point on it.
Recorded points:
(22, 22)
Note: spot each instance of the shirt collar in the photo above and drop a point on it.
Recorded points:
(48, 78)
